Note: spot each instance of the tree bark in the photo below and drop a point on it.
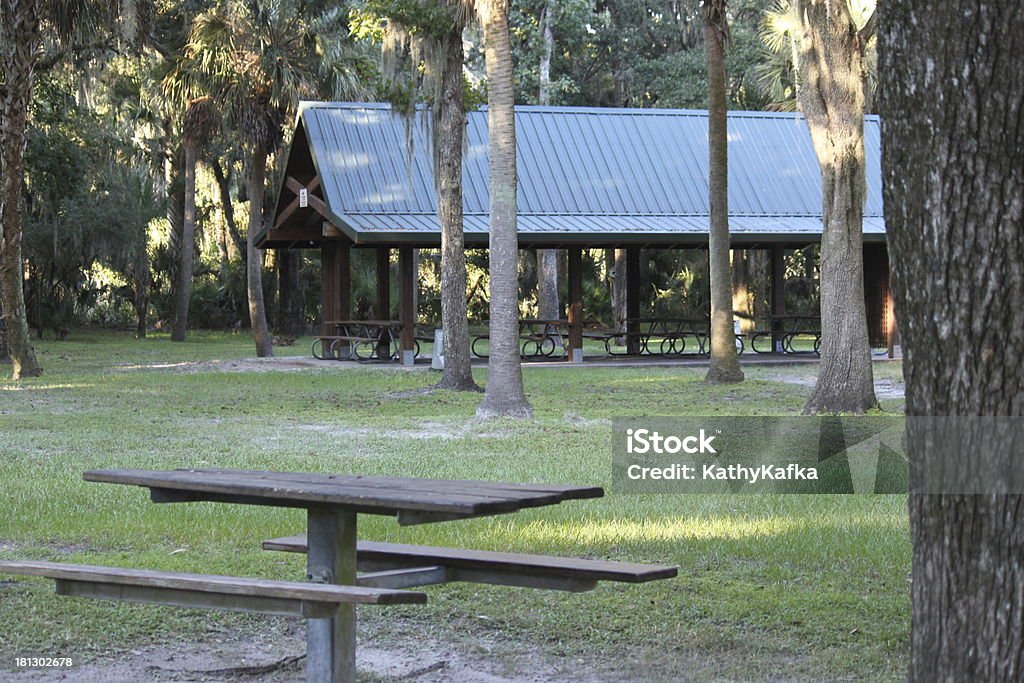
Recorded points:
(451, 131)
(548, 305)
(504, 393)
(619, 287)
(140, 283)
(19, 47)
(186, 247)
(254, 263)
(235, 244)
(725, 362)
(953, 157)
(832, 100)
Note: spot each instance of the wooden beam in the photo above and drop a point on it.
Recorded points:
(404, 577)
(407, 305)
(315, 202)
(383, 311)
(329, 284)
(575, 305)
(632, 298)
(293, 206)
(778, 292)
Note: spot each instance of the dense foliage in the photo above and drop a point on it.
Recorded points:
(104, 191)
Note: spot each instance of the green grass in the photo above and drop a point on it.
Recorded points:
(795, 587)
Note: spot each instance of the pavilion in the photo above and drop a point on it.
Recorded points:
(360, 175)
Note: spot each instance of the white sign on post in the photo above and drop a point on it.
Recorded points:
(303, 198)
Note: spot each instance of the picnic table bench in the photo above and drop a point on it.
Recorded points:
(540, 338)
(366, 340)
(658, 336)
(334, 556)
(787, 328)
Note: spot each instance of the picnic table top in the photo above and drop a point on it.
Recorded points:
(381, 323)
(413, 500)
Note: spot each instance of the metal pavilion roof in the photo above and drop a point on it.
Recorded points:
(593, 176)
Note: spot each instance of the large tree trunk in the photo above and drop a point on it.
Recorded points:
(254, 264)
(140, 283)
(233, 241)
(186, 247)
(953, 153)
(451, 131)
(504, 394)
(725, 363)
(832, 100)
(548, 305)
(19, 44)
(619, 299)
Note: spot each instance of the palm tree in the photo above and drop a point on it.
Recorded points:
(431, 35)
(725, 363)
(20, 37)
(197, 125)
(504, 393)
(22, 24)
(257, 60)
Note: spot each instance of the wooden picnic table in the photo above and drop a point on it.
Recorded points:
(332, 502)
(366, 339)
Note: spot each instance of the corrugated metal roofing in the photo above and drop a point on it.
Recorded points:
(591, 172)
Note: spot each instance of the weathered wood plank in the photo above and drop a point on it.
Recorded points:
(378, 554)
(176, 597)
(511, 488)
(207, 583)
(404, 578)
(340, 494)
(382, 495)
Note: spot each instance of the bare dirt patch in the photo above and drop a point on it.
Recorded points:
(277, 364)
(281, 660)
(884, 388)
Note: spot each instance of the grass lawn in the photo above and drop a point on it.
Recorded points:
(770, 587)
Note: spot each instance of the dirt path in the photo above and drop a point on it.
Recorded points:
(232, 660)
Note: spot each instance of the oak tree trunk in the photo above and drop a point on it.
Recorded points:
(451, 132)
(186, 247)
(831, 98)
(254, 262)
(548, 305)
(19, 45)
(953, 156)
(504, 393)
(725, 363)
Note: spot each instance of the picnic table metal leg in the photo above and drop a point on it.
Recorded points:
(331, 643)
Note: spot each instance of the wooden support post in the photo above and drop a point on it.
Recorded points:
(407, 304)
(877, 294)
(575, 305)
(632, 299)
(329, 294)
(778, 297)
(331, 558)
(383, 298)
(344, 279)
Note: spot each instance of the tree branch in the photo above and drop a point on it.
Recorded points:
(868, 32)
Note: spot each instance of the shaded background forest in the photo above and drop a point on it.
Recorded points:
(105, 193)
